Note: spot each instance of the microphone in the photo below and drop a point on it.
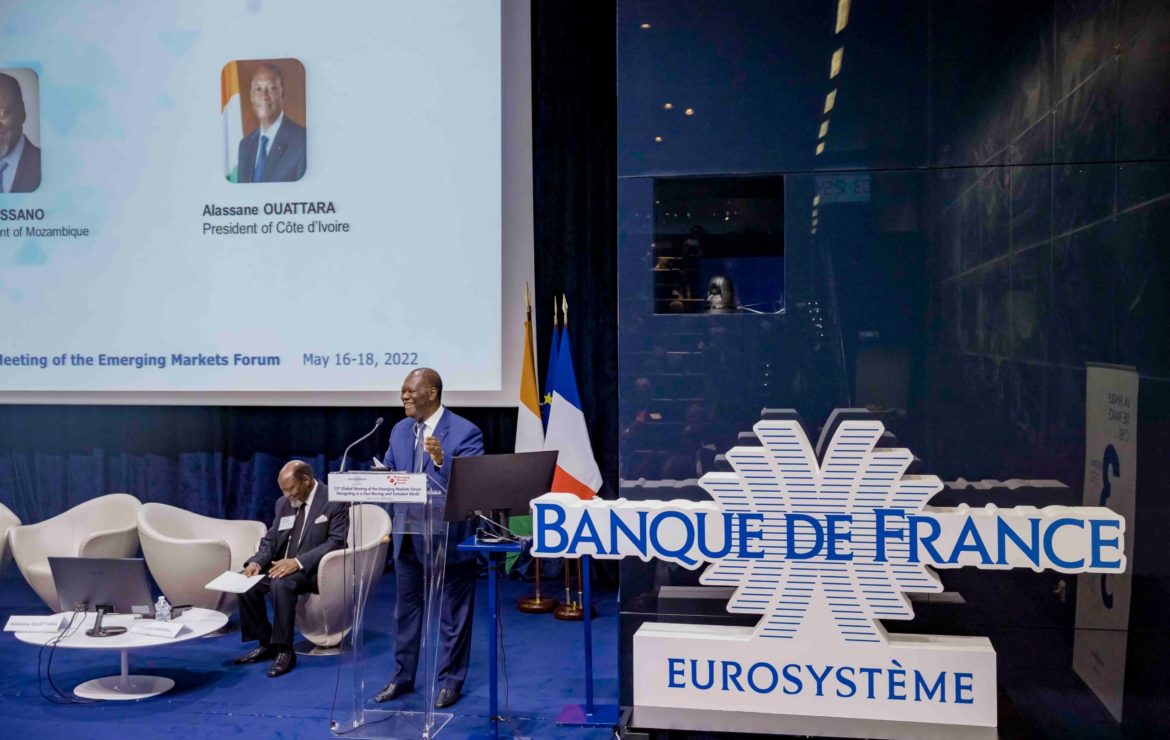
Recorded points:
(363, 438)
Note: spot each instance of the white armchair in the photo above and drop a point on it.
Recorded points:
(103, 527)
(326, 617)
(8, 520)
(185, 550)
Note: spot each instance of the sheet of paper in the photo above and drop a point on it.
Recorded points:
(378, 464)
(233, 582)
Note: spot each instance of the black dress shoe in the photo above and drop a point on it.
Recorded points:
(393, 691)
(284, 662)
(257, 654)
(446, 698)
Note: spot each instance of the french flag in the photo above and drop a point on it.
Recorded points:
(577, 470)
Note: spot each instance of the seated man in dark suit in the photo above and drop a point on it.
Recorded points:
(275, 150)
(306, 527)
(20, 161)
(425, 442)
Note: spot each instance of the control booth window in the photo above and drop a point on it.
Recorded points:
(718, 245)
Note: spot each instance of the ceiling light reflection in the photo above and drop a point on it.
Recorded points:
(824, 130)
(830, 101)
(842, 15)
(820, 147)
(835, 64)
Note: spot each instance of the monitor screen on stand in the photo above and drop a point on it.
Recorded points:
(102, 585)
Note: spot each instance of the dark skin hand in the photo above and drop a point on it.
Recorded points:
(279, 569)
(285, 567)
(432, 448)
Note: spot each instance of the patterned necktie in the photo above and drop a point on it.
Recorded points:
(260, 159)
(419, 452)
(3, 166)
(294, 538)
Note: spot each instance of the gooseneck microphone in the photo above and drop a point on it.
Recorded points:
(363, 438)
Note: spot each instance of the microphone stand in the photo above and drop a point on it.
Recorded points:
(363, 438)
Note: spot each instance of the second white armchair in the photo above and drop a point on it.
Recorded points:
(185, 550)
(326, 617)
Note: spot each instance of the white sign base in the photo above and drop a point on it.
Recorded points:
(719, 668)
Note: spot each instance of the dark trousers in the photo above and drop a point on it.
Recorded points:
(458, 606)
(254, 624)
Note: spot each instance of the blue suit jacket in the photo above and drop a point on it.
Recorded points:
(459, 438)
(286, 154)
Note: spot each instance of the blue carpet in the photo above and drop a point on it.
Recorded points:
(213, 698)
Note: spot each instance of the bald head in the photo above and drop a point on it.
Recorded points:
(296, 481)
(11, 113)
(267, 94)
(422, 393)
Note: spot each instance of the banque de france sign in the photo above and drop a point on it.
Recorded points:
(823, 551)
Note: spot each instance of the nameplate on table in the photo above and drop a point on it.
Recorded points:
(51, 623)
(154, 628)
(378, 486)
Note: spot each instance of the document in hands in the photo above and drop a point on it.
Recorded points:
(233, 582)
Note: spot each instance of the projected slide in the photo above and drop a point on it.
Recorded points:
(249, 195)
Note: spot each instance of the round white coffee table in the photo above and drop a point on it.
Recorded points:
(196, 623)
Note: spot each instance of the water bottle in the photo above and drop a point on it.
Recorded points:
(162, 610)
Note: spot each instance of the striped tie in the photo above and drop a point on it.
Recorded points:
(259, 170)
(420, 454)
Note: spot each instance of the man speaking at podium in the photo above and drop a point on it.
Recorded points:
(426, 442)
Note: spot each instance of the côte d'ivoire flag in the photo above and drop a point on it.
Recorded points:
(233, 122)
(529, 427)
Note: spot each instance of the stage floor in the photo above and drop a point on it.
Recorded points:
(214, 698)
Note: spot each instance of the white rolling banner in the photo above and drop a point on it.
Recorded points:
(1102, 623)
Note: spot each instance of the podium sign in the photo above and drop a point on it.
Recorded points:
(378, 486)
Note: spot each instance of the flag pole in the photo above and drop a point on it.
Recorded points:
(535, 604)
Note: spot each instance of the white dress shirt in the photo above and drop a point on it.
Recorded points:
(305, 524)
(430, 425)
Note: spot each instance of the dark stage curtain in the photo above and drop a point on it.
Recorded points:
(223, 461)
(574, 100)
(218, 461)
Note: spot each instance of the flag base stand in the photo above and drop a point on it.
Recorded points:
(569, 612)
(536, 604)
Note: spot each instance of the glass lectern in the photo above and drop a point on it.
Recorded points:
(355, 714)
